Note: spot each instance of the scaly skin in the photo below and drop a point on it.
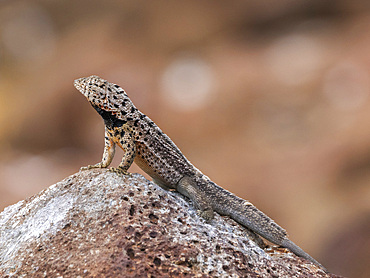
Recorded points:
(152, 150)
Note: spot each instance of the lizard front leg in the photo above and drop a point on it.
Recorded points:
(108, 154)
(188, 187)
(124, 137)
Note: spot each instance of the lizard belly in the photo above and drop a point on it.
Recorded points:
(162, 172)
(144, 165)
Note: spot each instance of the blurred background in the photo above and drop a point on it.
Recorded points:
(271, 99)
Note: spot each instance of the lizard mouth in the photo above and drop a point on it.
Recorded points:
(85, 86)
(80, 84)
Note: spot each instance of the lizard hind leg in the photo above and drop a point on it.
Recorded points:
(188, 187)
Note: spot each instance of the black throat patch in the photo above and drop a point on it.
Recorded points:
(110, 120)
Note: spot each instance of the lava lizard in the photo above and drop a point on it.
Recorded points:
(153, 151)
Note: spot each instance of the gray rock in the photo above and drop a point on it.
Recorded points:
(99, 224)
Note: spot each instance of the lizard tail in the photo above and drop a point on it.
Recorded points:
(299, 252)
(244, 213)
(249, 216)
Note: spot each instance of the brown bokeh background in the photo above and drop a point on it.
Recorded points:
(271, 99)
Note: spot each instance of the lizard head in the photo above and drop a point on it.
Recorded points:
(105, 97)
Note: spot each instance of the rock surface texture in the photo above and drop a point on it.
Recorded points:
(99, 224)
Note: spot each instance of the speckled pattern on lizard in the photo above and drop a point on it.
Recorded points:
(153, 151)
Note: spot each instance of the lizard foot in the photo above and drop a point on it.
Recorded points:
(119, 171)
(207, 215)
(91, 167)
